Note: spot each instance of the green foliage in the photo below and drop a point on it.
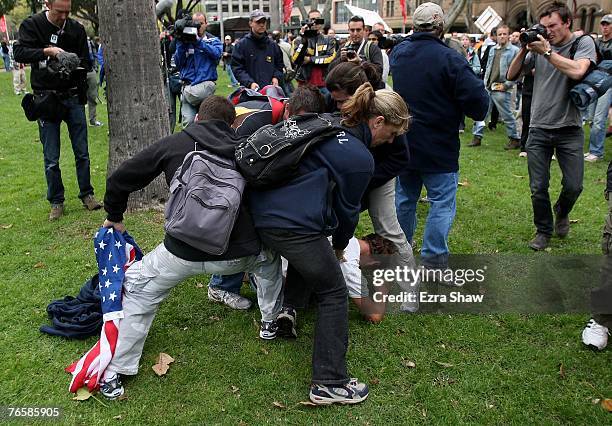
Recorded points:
(505, 368)
(6, 6)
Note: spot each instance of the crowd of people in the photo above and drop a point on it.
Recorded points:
(386, 146)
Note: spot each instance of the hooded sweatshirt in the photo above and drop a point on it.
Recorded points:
(166, 156)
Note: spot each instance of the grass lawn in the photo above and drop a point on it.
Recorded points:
(505, 368)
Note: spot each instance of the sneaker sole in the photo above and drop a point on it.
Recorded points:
(327, 401)
(268, 336)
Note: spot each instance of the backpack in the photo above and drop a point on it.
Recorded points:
(595, 82)
(270, 157)
(205, 195)
(271, 94)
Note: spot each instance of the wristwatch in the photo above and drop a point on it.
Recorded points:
(548, 53)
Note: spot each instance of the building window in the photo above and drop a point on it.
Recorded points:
(224, 8)
(591, 22)
(212, 7)
(390, 8)
(235, 8)
(341, 13)
(245, 8)
(366, 4)
(583, 18)
(266, 8)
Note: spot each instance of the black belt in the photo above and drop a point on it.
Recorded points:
(63, 94)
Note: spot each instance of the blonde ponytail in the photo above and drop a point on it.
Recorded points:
(367, 103)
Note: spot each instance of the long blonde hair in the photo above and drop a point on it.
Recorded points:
(367, 103)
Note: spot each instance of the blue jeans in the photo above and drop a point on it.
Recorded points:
(598, 131)
(50, 139)
(231, 283)
(231, 76)
(7, 62)
(442, 193)
(503, 102)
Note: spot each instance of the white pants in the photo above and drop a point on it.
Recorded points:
(148, 282)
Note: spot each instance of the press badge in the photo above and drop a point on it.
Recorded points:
(269, 59)
(54, 38)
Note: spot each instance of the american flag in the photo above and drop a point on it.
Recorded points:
(115, 253)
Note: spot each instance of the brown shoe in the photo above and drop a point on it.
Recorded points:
(512, 144)
(540, 242)
(90, 203)
(562, 226)
(477, 141)
(57, 210)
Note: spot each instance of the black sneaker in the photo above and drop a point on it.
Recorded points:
(111, 387)
(353, 392)
(268, 330)
(286, 323)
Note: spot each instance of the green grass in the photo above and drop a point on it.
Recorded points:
(505, 367)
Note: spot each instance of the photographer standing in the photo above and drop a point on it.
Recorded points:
(556, 124)
(196, 59)
(313, 52)
(55, 45)
(358, 49)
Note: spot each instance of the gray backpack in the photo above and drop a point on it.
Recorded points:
(205, 196)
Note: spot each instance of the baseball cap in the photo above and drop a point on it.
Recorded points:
(607, 18)
(228, 37)
(428, 15)
(257, 15)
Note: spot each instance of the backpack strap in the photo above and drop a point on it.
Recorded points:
(278, 108)
(367, 50)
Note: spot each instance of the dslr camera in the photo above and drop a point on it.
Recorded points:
(186, 29)
(350, 52)
(310, 23)
(532, 33)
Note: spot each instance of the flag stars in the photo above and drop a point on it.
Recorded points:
(115, 269)
(110, 256)
(110, 230)
(104, 271)
(107, 283)
(112, 296)
(118, 244)
(102, 244)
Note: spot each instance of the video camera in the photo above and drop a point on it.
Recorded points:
(310, 23)
(186, 29)
(532, 33)
(390, 41)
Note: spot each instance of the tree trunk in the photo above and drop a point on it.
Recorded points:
(469, 14)
(137, 107)
(326, 14)
(453, 13)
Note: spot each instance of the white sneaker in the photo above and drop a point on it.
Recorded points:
(233, 300)
(523, 154)
(585, 154)
(595, 335)
(591, 158)
(554, 157)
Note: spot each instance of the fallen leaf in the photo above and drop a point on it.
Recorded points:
(163, 364)
(574, 220)
(199, 285)
(307, 403)
(39, 265)
(235, 389)
(9, 226)
(279, 404)
(265, 351)
(489, 406)
(374, 381)
(443, 346)
(214, 318)
(408, 363)
(595, 401)
(117, 417)
(518, 176)
(464, 183)
(561, 371)
(607, 405)
(82, 394)
(444, 364)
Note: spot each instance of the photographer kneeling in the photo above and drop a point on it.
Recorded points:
(556, 124)
(196, 57)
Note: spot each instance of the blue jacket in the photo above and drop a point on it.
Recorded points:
(439, 88)
(507, 55)
(257, 60)
(198, 61)
(310, 203)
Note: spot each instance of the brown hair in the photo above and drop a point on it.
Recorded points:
(306, 98)
(367, 103)
(217, 108)
(561, 9)
(348, 76)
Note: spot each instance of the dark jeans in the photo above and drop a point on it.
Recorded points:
(526, 118)
(601, 297)
(312, 257)
(50, 138)
(567, 143)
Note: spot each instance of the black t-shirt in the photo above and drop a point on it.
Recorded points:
(36, 33)
(605, 48)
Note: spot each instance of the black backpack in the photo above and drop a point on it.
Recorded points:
(270, 157)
